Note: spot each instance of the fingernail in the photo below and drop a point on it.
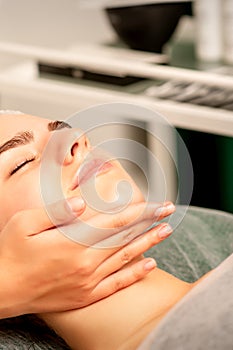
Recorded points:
(169, 206)
(163, 210)
(150, 265)
(76, 204)
(159, 211)
(165, 231)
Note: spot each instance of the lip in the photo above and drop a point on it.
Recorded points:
(92, 168)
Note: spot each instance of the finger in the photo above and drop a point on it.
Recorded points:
(167, 209)
(102, 226)
(65, 211)
(125, 236)
(134, 249)
(85, 234)
(132, 214)
(123, 278)
(34, 221)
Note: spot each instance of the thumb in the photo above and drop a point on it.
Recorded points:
(34, 221)
(64, 211)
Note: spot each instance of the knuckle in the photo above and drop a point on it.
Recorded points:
(128, 235)
(84, 268)
(83, 299)
(83, 283)
(84, 287)
(120, 220)
(125, 256)
(117, 283)
(129, 216)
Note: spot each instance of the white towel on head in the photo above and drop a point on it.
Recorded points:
(8, 111)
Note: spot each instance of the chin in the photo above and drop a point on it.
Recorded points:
(107, 191)
(105, 188)
(110, 202)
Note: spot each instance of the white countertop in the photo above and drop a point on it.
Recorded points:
(23, 79)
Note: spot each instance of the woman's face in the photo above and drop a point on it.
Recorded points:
(23, 139)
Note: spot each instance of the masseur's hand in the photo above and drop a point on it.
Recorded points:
(41, 270)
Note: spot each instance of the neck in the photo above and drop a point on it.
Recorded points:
(122, 320)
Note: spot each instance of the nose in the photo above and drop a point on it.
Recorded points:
(77, 150)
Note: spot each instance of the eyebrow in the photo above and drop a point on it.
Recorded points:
(20, 139)
(58, 125)
(26, 137)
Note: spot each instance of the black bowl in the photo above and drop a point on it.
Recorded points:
(147, 27)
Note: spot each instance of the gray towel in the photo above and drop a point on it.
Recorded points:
(203, 319)
(202, 241)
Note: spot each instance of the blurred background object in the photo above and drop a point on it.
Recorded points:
(209, 37)
(94, 52)
(146, 26)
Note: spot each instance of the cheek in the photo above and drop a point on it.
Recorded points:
(24, 194)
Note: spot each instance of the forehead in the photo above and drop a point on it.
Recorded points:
(12, 124)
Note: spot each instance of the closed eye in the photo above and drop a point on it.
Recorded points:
(21, 165)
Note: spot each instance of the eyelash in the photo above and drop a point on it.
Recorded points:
(21, 165)
(55, 126)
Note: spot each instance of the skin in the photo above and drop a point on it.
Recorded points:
(84, 328)
(28, 177)
(76, 275)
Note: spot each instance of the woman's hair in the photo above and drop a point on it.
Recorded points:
(28, 332)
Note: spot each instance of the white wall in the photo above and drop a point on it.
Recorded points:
(57, 23)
